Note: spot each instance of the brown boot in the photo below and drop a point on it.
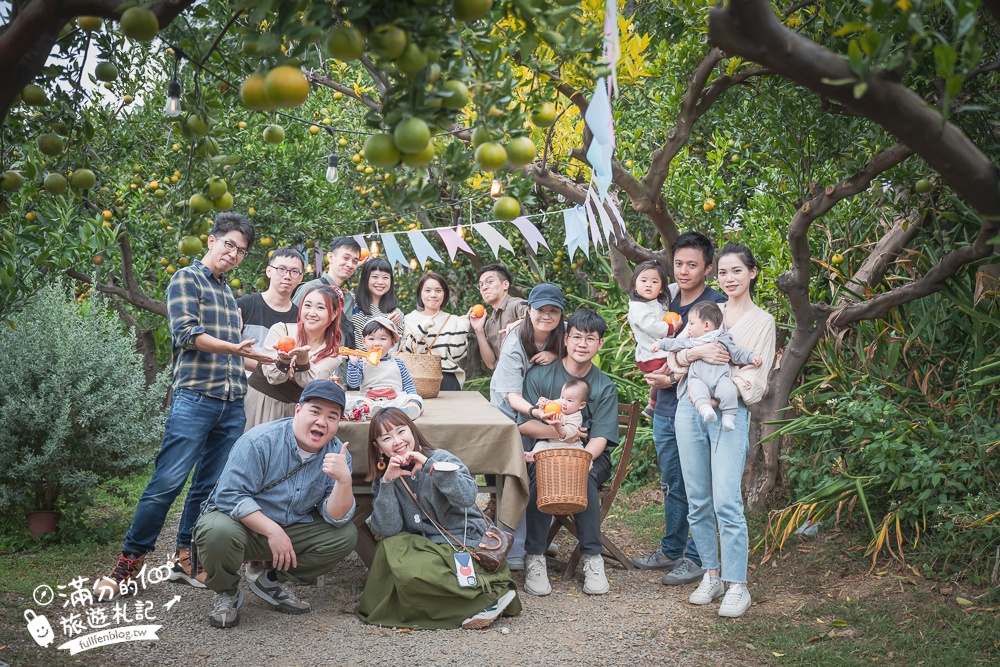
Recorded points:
(491, 508)
(117, 583)
(180, 569)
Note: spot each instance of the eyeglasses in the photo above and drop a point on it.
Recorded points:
(487, 283)
(230, 246)
(576, 339)
(294, 273)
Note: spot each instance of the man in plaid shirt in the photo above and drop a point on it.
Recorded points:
(206, 415)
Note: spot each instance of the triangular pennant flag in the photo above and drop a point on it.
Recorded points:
(452, 241)
(422, 248)
(493, 237)
(393, 253)
(600, 121)
(576, 231)
(360, 238)
(529, 232)
(620, 232)
(594, 232)
(606, 227)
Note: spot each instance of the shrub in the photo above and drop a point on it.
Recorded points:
(75, 409)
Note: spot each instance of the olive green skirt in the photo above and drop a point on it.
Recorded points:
(412, 584)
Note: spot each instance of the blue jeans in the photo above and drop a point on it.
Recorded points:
(712, 461)
(200, 432)
(675, 503)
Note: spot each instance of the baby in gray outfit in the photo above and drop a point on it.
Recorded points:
(707, 381)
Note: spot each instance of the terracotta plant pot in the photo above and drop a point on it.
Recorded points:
(42, 522)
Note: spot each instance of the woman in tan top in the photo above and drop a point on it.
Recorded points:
(712, 458)
(314, 357)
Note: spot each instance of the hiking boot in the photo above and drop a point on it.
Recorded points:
(595, 582)
(490, 614)
(685, 572)
(267, 588)
(536, 575)
(709, 589)
(180, 569)
(736, 602)
(656, 561)
(117, 583)
(226, 610)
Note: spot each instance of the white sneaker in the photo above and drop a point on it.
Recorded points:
(709, 589)
(594, 580)
(736, 602)
(490, 614)
(536, 575)
(708, 414)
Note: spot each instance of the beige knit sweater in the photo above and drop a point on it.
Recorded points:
(755, 331)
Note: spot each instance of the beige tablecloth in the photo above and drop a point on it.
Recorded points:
(465, 424)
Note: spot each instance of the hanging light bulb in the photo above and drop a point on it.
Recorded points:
(309, 268)
(414, 264)
(373, 249)
(496, 188)
(172, 108)
(331, 168)
(561, 198)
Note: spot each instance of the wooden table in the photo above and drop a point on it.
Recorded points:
(465, 424)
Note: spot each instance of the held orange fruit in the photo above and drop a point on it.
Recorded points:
(552, 408)
(673, 321)
(478, 310)
(285, 344)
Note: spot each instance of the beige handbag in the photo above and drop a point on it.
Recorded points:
(425, 368)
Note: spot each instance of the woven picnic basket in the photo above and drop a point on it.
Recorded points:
(561, 479)
(425, 368)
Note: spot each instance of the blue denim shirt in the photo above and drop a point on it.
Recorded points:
(261, 457)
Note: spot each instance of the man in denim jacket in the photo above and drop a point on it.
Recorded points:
(284, 496)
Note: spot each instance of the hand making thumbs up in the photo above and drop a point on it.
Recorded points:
(335, 466)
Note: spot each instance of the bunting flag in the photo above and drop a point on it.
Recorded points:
(606, 226)
(594, 231)
(361, 240)
(422, 247)
(602, 146)
(493, 237)
(530, 233)
(453, 242)
(575, 220)
(393, 253)
(620, 233)
(612, 43)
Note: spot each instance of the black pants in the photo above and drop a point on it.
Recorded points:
(588, 522)
(449, 382)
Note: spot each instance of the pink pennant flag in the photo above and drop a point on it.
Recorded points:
(453, 242)
(530, 233)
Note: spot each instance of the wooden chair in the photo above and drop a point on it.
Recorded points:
(628, 421)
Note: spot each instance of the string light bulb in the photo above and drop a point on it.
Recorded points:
(332, 174)
(496, 188)
(172, 109)
(373, 249)
(414, 264)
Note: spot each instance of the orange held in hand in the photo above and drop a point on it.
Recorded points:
(478, 310)
(673, 321)
(286, 344)
(552, 408)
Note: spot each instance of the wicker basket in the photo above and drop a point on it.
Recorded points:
(425, 369)
(561, 479)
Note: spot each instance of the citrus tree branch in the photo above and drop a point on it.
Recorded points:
(341, 88)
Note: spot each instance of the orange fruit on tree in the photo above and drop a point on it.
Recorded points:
(253, 95)
(478, 310)
(470, 10)
(285, 344)
(552, 407)
(708, 205)
(544, 115)
(139, 23)
(286, 86)
(345, 43)
(459, 95)
(490, 156)
(98, 260)
(381, 151)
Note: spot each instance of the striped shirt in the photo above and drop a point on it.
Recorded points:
(449, 336)
(197, 303)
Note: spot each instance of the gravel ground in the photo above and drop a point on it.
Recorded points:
(638, 621)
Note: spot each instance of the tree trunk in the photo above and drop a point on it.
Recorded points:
(146, 346)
